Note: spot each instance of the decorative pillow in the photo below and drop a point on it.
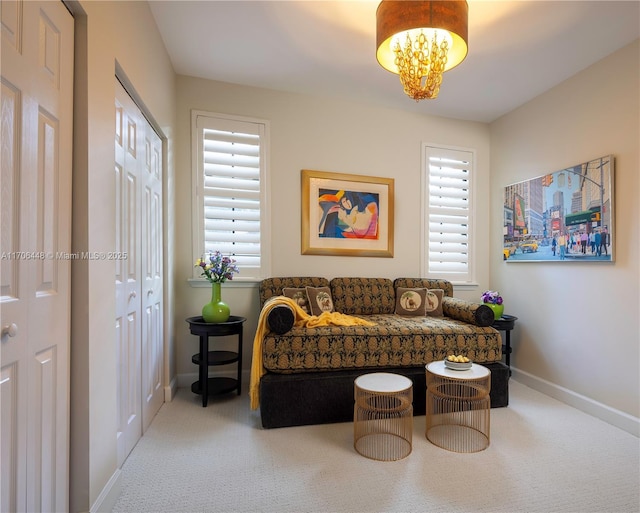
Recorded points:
(299, 295)
(319, 300)
(411, 301)
(281, 319)
(434, 302)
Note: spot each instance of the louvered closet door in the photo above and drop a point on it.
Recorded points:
(139, 276)
(35, 238)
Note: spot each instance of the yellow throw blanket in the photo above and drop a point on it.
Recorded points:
(301, 319)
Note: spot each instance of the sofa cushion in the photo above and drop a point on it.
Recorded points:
(411, 301)
(434, 302)
(319, 299)
(299, 295)
(393, 341)
(364, 296)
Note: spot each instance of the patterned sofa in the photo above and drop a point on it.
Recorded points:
(310, 371)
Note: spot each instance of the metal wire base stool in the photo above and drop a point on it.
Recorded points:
(383, 416)
(458, 407)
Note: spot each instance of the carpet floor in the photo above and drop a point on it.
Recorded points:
(544, 457)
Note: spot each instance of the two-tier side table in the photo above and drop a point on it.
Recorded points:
(506, 323)
(205, 385)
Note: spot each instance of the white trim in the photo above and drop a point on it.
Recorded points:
(617, 418)
(109, 494)
(234, 284)
(170, 390)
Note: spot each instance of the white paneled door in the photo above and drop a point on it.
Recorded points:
(35, 241)
(139, 282)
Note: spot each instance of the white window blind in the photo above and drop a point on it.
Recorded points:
(448, 206)
(231, 194)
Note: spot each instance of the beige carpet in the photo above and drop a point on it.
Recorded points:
(544, 457)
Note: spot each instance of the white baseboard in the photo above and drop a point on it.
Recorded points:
(109, 494)
(170, 390)
(610, 415)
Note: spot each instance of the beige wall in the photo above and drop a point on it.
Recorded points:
(107, 32)
(327, 135)
(578, 329)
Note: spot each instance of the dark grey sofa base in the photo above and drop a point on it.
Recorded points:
(327, 397)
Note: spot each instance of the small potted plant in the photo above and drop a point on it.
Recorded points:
(493, 300)
(216, 269)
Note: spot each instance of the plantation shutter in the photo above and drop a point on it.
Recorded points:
(448, 194)
(231, 168)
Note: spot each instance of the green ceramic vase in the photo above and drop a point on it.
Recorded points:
(216, 310)
(498, 310)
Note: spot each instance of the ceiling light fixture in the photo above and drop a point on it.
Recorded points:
(420, 40)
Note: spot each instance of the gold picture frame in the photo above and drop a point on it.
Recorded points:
(347, 215)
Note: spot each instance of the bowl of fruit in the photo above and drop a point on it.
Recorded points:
(457, 362)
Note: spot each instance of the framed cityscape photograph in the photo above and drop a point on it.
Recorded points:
(346, 215)
(563, 216)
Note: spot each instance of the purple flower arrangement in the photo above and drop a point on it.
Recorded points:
(490, 296)
(217, 268)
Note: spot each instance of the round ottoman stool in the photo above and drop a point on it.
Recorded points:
(383, 416)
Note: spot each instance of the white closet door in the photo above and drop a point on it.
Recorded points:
(152, 282)
(139, 282)
(129, 149)
(35, 239)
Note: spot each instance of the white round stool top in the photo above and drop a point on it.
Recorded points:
(383, 382)
(475, 372)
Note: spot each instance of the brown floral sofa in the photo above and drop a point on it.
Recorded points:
(310, 371)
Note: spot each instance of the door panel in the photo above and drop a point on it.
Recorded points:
(128, 290)
(35, 234)
(152, 293)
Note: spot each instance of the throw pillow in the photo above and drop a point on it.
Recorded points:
(299, 295)
(281, 319)
(434, 302)
(411, 301)
(319, 300)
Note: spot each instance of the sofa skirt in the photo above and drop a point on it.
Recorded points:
(327, 397)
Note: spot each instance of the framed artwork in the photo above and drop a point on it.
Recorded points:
(564, 216)
(346, 215)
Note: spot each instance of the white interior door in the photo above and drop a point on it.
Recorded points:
(35, 237)
(128, 148)
(152, 283)
(139, 281)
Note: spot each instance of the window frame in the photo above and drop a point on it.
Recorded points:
(201, 120)
(458, 279)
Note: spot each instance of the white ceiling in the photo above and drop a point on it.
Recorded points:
(517, 49)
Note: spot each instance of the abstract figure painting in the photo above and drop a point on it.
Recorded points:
(347, 215)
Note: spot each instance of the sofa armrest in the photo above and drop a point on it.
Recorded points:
(477, 314)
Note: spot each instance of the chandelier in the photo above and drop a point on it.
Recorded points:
(421, 40)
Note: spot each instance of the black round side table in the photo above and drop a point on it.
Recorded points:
(204, 358)
(506, 323)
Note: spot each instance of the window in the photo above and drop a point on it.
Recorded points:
(230, 190)
(447, 249)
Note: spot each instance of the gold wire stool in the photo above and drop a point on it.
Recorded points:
(383, 416)
(458, 407)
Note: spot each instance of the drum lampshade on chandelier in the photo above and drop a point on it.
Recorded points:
(421, 40)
